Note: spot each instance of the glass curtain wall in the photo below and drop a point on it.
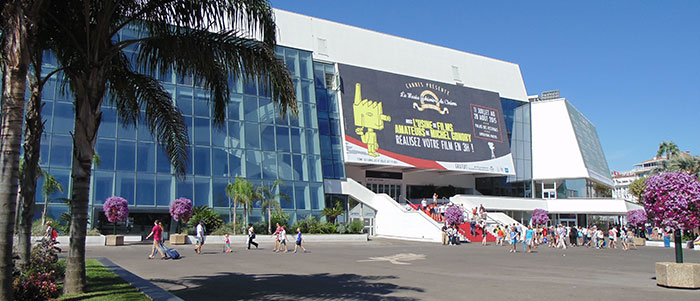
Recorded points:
(254, 143)
(329, 124)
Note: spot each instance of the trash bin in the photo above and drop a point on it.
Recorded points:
(667, 241)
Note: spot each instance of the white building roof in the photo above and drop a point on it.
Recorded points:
(340, 43)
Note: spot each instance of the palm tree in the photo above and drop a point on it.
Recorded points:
(231, 193)
(688, 164)
(209, 40)
(670, 149)
(243, 194)
(50, 186)
(270, 199)
(19, 22)
(333, 212)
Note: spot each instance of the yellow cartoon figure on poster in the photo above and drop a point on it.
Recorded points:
(368, 114)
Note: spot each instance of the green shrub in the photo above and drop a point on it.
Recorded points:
(40, 281)
(328, 228)
(342, 229)
(356, 226)
(279, 216)
(93, 232)
(226, 228)
(212, 220)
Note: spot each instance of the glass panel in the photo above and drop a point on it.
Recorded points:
(307, 91)
(235, 134)
(296, 140)
(291, 59)
(201, 131)
(283, 139)
(268, 137)
(219, 192)
(202, 161)
(235, 107)
(61, 147)
(301, 196)
(125, 186)
(269, 165)
(299, 168)
(236, 160)
(47, 115)
(184, 100)
(163, 160)
(146, 157)
(218, 135)
(250, 105)
(63, 117)
(184, 189)
(102, 188)
(305, 65)
(285, 166)
(126, 155)
(163, 184)
(126, 131)
(201, 191)
(108, 126)
(249, 87)
(252, 135)
(267, 110)
(316, 196)
(219, 162)
(105, 150)
(253, 162)
(328, 172)
(333, 104)
(315, 169)
(144, 131)
(287, 202)
(201, 103)
(322, 99)
(312, 143)
(310, 115)
(145, 190)
(323, 126)
(190, 129)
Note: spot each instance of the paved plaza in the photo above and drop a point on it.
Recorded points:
(400, 270)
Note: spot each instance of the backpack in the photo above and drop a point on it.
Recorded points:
(54, 234)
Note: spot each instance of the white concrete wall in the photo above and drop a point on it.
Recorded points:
(392, 220)
(416, 177)
(555, 150)
(365, 48)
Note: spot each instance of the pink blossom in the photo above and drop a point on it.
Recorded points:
(116, 209)
(673, 200)
(181, 209)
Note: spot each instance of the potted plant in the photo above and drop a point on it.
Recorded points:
(117, 210)
(636, 218)
(181, 211)
(540, 217)
(672, 200)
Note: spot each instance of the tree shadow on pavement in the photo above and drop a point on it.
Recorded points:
(234, 286)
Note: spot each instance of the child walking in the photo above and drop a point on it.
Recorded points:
(283, 240)
(228, 244)
(299, 241)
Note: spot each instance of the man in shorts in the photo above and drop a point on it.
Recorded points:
(200, 237)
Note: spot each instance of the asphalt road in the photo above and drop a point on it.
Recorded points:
(399, 270)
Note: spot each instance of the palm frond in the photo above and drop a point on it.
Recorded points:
(210, 56)
(132, 92)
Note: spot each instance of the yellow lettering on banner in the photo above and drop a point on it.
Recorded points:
(464, 137)
(409, 130)
(440, 134)
(426, 124)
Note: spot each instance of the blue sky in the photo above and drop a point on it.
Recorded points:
(631, 67)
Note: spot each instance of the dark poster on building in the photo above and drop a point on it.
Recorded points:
(391, 119)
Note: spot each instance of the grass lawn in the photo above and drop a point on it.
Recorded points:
(102, 284)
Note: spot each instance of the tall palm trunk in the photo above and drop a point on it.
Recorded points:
(14, 76)
(269, 217)
(34, 127)
(234, 217)
(88, 100)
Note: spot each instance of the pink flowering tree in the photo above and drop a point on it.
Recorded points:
(540, 217)
(672, 199)
(181, 210)
(637, 217)
(116, 209)
(453, 215)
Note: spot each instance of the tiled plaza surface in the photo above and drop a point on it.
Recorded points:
(399, 270)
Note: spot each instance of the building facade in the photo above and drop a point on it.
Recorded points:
(399, 117)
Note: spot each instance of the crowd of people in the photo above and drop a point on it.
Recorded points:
(280, 236)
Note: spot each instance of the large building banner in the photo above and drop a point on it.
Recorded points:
(391, 119)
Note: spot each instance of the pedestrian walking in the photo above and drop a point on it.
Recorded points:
(251, 236)
(157, 233)
(299, 241)
(200, 237)
(227, 244)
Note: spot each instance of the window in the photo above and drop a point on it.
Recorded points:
(126, 155)
(145, 190)
(61, 151)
